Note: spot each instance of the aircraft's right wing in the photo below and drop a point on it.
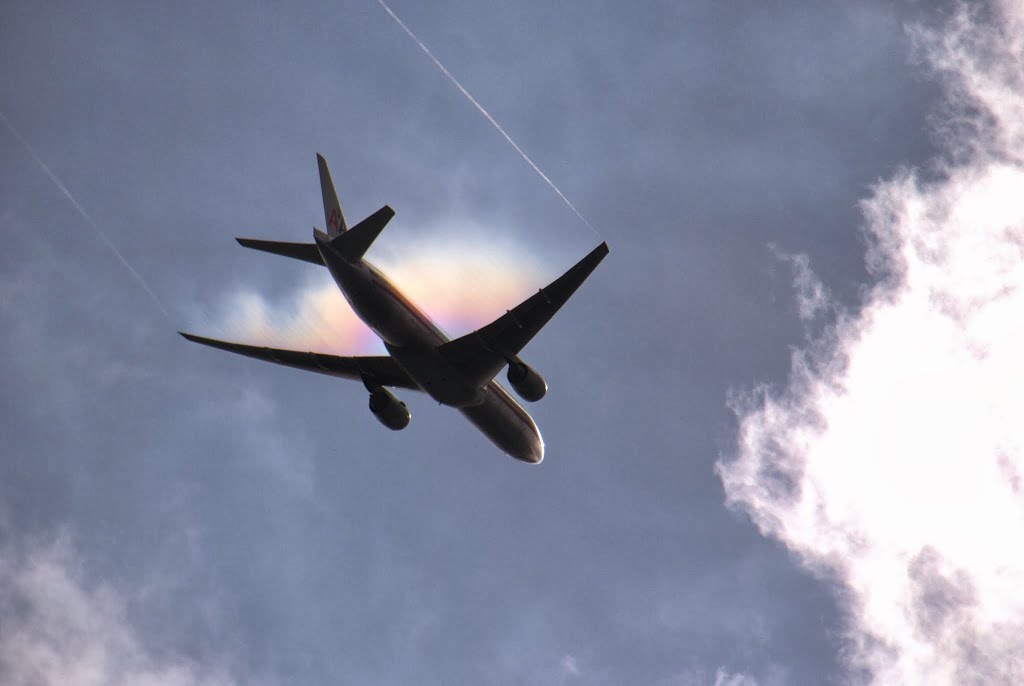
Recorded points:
(482, 354)
(382, 370)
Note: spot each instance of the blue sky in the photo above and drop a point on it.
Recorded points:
(174, 515)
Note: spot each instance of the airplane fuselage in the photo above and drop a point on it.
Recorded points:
(458, 373)
(414, 341)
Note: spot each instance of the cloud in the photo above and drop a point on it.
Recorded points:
(570, 666)
(461, 284)
(57, 628)
(812, 296)
(893, 462)
(724, 677)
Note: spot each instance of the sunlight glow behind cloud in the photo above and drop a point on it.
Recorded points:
(893, 464)
(462, 285)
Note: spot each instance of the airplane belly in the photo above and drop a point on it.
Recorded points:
(506, 424)
(435, 375)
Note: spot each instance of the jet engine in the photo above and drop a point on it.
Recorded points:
(528, 384)
(389, 410)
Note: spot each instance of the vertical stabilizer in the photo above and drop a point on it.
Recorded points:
(332, 208)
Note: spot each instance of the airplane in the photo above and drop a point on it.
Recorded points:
(459, 373)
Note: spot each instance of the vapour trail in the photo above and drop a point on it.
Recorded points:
(484, 112)
(85, 215)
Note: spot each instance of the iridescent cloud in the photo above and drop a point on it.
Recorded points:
(461, 285)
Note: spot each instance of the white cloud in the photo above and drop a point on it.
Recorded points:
(893, 462)
(56, 628)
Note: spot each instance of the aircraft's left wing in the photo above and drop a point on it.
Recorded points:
(307, 252)
(482, 354)
(382, 370)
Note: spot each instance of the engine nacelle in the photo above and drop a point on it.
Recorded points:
(389, 410)
(527, 383)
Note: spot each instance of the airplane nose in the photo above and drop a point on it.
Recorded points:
(535, 454)
(530, 450)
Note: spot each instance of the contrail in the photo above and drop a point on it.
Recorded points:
(85, 215)
(484, 112)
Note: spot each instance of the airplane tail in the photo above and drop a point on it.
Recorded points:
(351, 244)
(332, 208)
(354, 243)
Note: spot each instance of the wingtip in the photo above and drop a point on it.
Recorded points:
(194, 338)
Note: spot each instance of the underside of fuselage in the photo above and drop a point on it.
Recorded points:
(506, 424)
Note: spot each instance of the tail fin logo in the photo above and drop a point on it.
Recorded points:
(334, 219)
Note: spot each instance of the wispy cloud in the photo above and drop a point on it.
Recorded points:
(726, 677)
(893, 462)
(58, 628)
(812, 297)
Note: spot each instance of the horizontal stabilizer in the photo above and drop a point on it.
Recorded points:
(381, 370)
(307, 252)
(482, 354)
(354, 243)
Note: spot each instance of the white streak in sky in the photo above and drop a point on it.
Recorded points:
(893, 463)
(484, 112)
(85, 215)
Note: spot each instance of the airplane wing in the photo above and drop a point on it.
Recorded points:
(482, 354)
(382, 370)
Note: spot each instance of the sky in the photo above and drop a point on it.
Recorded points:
(781, 431)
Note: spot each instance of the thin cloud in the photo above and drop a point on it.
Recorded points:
(59, 629)
(812, 297)
(892, 463)
(726, 677)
